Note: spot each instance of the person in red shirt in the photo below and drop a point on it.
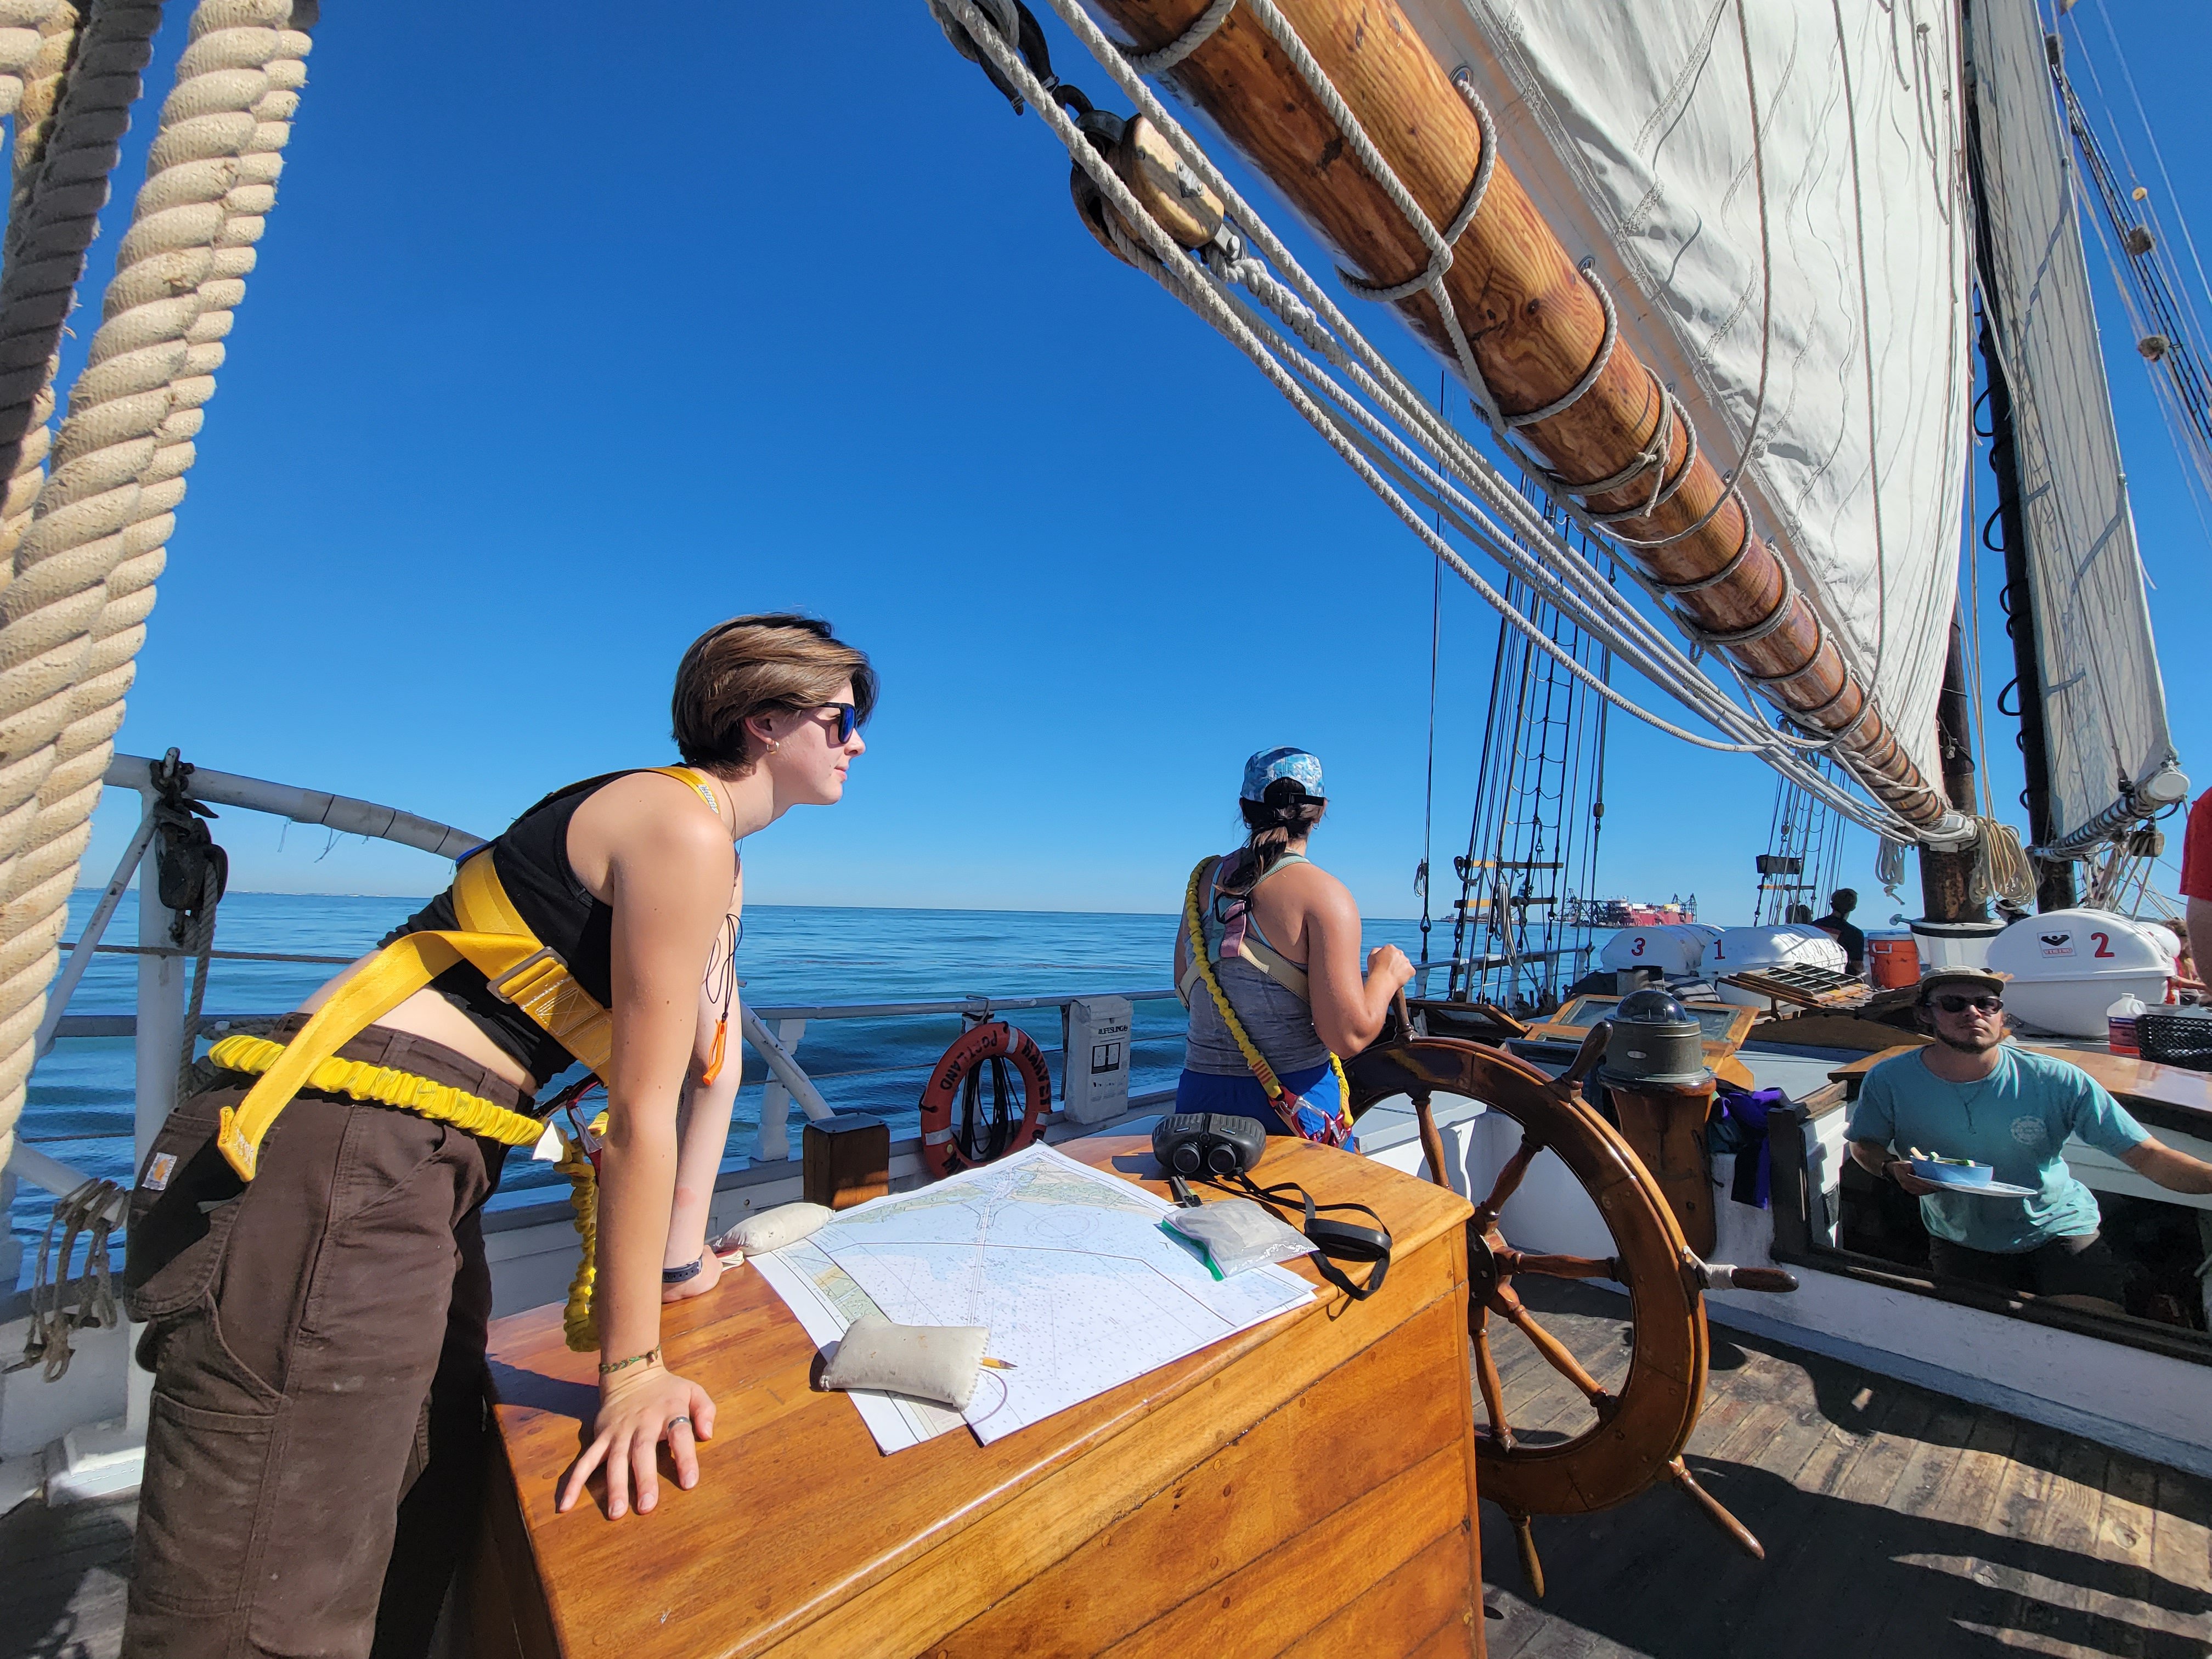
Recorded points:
(2196, 879)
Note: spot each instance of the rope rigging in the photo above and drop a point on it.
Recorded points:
(1390, 437)
(1539, 810)
(73, 613)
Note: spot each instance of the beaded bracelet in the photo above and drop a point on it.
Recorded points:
(651, 1356)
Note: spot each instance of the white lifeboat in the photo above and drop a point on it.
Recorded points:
(1674, 948)
(1755, 950)
(2068, 967)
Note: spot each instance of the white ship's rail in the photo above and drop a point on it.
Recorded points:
(774, 1031)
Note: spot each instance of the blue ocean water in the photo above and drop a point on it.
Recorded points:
(80, 1101)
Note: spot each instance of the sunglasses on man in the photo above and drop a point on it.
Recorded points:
(1958, 1004)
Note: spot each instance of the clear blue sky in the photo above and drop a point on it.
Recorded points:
(570, 339)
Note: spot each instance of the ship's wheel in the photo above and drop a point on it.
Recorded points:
(1633, 1433)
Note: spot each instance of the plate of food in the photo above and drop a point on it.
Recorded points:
(1964, 1176)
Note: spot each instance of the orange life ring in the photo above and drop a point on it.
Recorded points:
(946, 1149)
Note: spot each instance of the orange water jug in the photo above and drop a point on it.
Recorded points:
(1893, 961)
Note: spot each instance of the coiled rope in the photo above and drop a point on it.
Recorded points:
(2002, 867)
(73, 613)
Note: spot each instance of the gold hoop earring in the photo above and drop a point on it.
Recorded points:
(774, 744)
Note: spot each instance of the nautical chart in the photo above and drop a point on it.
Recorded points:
(1066, 1267)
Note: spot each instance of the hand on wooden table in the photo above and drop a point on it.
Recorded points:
(637, 1411)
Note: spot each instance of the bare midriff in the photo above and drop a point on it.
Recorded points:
(427, 1014)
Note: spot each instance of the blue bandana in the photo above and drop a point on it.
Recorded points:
(1269, 765)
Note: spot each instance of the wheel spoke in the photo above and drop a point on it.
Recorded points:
(1487, 1377)
(1509, 1181)
(1555, 1352)
(1561, 1267)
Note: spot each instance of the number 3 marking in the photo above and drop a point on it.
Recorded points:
(1636, 949)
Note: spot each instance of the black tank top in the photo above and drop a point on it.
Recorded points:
(532, 859)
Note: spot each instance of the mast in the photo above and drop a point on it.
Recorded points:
(1947, 876)
(2054, 889)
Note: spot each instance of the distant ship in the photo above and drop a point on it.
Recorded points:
(1629, 913)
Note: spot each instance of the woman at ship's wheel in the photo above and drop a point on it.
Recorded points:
(1267, 961)
(304, 1243)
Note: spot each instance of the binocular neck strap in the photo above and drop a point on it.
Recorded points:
(1333, 1240)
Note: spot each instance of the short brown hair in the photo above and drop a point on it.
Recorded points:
(754, 666)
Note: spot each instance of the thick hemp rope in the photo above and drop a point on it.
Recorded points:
(74, 611)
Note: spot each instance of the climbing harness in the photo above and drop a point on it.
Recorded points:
(1240, 939)
(518, 968)
(1299, 1116)
(982, 1136)
(493, 938)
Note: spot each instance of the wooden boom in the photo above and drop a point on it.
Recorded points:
(1536, 324)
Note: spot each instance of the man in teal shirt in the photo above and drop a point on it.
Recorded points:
(1970, 1095)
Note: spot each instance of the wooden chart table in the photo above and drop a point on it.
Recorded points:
(1305, 1487)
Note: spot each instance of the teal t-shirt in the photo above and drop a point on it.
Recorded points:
(2016, 1119)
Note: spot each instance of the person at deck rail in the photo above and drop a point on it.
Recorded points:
(1836, 924)
(1969, 1094)
(315, 1290)
(1282, 940)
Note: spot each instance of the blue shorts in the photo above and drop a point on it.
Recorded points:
(1242, 1096)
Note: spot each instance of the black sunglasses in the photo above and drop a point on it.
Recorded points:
(848, 718)
(1958, 1004)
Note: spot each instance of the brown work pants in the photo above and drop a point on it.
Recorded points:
(315, 1453)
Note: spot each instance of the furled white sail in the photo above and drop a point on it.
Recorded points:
(2104, 703)
(1798, 274)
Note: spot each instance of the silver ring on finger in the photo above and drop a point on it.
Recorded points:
(674, 1422)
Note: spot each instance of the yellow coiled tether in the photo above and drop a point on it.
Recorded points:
(579, 1326)
(383, 1086)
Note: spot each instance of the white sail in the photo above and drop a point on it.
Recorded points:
(2104, 703)
(1800, 281)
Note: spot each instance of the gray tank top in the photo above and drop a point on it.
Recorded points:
(1278, 1020)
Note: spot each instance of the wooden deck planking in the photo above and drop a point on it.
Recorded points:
(62, 1579)
(1896, 1522)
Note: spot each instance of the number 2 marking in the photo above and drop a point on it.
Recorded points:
(2103, 944)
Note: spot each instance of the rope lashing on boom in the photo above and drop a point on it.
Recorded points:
(73, 615)
(1203, 281)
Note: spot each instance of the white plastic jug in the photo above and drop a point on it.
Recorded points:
(2120, 1024)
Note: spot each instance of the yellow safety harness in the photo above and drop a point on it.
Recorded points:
(1194, 918)
(518, 968)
